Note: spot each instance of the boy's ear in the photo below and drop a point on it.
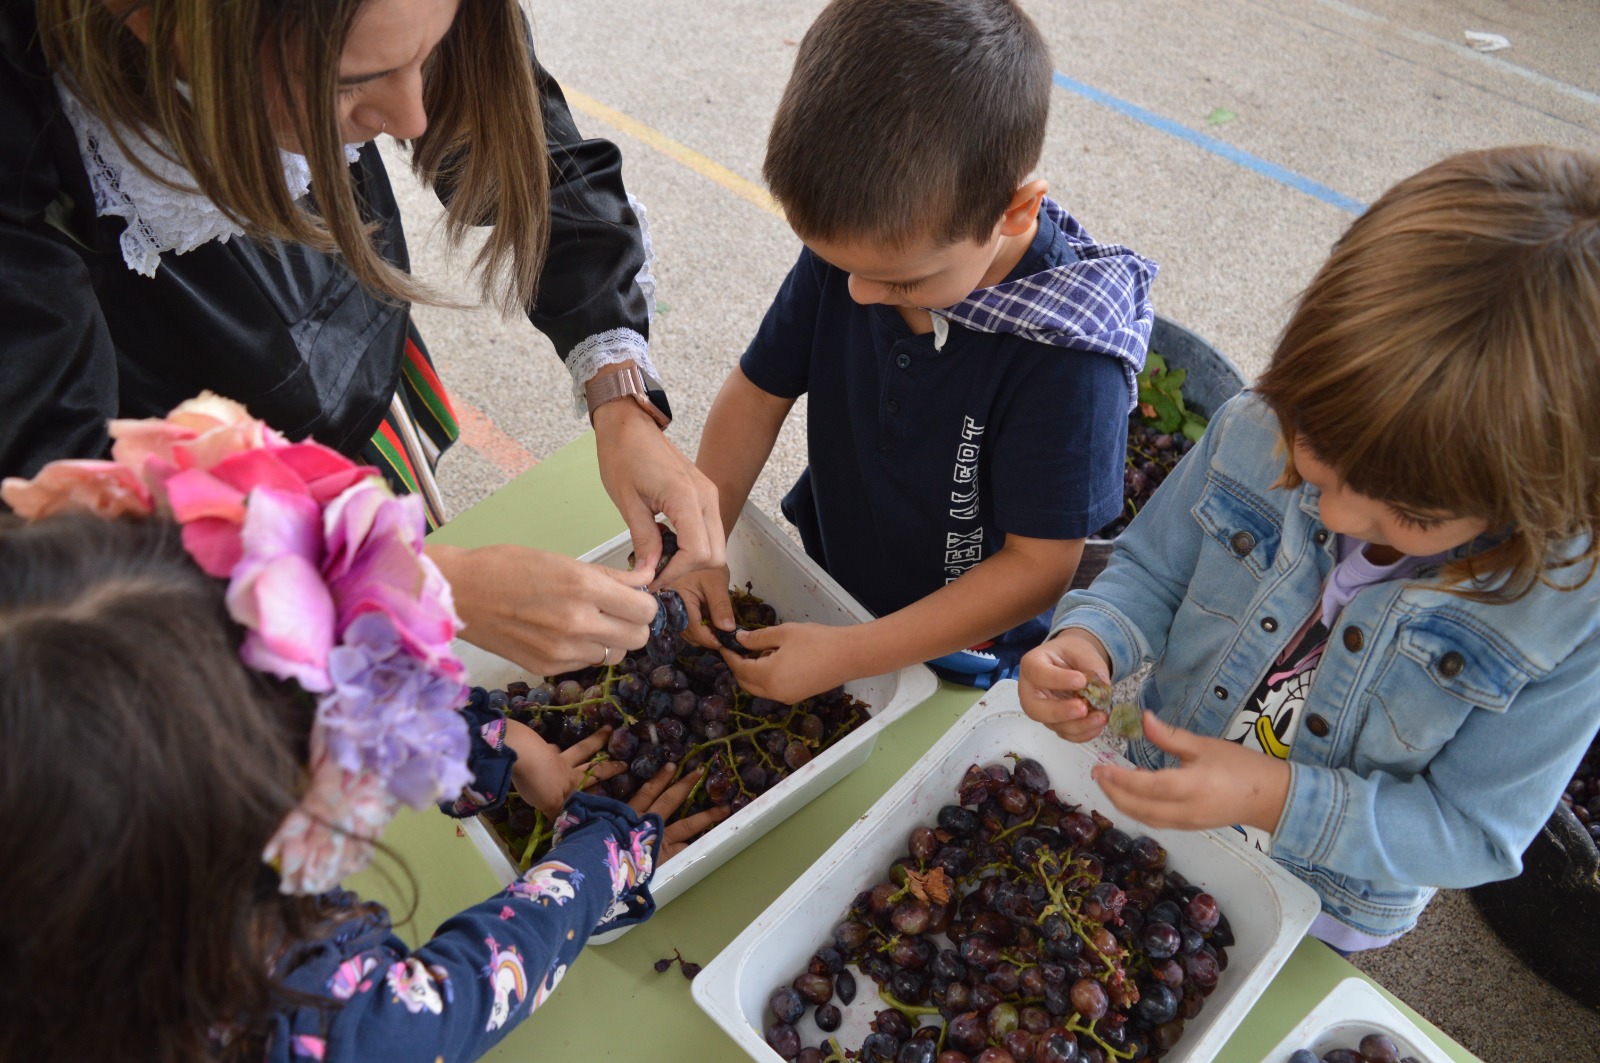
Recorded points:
(1024, 207)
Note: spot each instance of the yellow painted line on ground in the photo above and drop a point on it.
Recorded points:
(745, 189)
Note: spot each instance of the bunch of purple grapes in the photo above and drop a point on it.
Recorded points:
(674, 702)
(1017, 929)
(1582, 794)
(1373, 1048)
(1152, 455)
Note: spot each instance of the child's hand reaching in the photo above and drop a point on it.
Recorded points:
(657, 796)
(1051, 679)
(797, 660)
(705, 594)
(1217, 783)
(546, 776)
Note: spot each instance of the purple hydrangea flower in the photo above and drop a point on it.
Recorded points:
(391, 714)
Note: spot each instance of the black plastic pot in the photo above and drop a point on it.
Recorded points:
(1211, 380)
(1550, 914)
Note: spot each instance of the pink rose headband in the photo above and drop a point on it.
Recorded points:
(326, 574)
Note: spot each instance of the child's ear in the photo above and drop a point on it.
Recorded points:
(1024, 207)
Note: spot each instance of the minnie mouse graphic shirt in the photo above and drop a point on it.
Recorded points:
(1269, 719)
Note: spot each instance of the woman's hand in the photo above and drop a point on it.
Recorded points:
(655, 795)
(645, 474)
(1217, 783)
(547, 612)
(546, 776)
(1051, 679)
(797, 660)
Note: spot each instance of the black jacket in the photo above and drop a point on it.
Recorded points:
(283, 329)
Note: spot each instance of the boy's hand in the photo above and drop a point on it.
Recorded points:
(546, 775)
(1050, 684)
(1217, 784)
(797, 661)
(656, 796)
(705, 594)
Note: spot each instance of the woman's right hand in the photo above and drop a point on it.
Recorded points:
(547, 612)
(1051, 680)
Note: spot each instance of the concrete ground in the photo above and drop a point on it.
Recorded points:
(1229, 140)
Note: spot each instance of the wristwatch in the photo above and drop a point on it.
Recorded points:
(629, 383)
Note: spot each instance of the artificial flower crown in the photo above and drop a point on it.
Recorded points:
(327, 576)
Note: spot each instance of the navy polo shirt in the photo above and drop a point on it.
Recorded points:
(921, 460)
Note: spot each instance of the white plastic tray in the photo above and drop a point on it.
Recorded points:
(1268, 909)
(782, 575)
(1348, 1013)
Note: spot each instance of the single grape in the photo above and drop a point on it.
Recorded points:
(1303, 1055)
(1202, 912)
(814, 988)
(786, 1003)
(917, 1050)
(1377, 1048)
(827, 1018)
(1089, 998)
(784, 1039)
(844, 986)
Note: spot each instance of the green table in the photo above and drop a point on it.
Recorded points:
(613, 1005)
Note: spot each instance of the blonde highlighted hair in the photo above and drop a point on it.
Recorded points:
(1446, 358)
(198, 91)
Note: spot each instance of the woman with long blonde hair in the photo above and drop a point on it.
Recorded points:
(191, 199)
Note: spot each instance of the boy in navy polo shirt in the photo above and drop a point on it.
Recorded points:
(968, 351)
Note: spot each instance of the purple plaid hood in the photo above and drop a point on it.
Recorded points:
(1101, 302)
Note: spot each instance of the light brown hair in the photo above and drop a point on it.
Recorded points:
(485, 138)
(1446, 358)
(909, 119)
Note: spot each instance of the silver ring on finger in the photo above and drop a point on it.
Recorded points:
(605, 656)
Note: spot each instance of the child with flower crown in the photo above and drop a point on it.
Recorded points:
(226, 663)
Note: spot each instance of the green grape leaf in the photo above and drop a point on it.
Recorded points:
(1194, 427)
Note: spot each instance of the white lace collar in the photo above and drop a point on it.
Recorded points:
(160, 218)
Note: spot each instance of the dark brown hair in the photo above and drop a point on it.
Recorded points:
(909, 119)
(485, 132)
(1446, 357)
(143, 768)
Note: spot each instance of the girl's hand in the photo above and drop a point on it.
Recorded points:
(547, 612)
(1051, 679)
(798, 660)
(1217, 784)
(655, 795)
(546, 775)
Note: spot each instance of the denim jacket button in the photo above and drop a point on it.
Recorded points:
(1269, 624)
(1317, 725)
(1321, 537)
(1242, 542)
(1353, 639)
(1450, 664)
(1221, 693)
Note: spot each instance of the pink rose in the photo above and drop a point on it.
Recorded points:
(103, 488)
(277, 591)
(330, 833)
(375, 564)
(197, 434)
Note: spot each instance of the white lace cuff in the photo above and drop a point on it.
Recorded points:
(597, 352)
(623, 344)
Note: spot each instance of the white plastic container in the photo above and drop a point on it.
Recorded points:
(1348, 1013)
(782, 575)
(1268, 909)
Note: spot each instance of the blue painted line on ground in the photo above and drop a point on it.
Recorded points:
(1221, 148)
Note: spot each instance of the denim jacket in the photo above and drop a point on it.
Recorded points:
(1438, 732)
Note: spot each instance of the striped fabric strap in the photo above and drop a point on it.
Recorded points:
(418, 427)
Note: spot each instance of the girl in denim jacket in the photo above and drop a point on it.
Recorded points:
(1367, 595)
